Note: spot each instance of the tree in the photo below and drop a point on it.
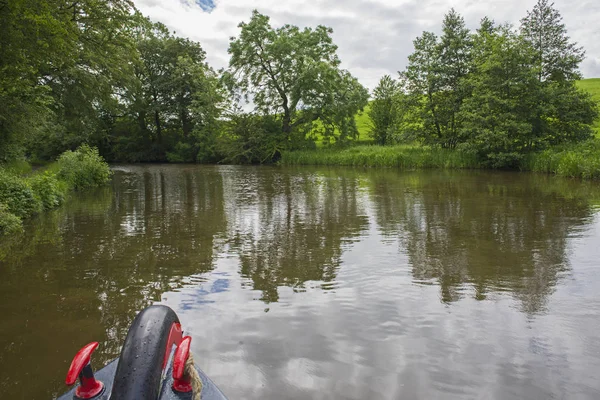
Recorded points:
(455, 64)
(421, 81)
(171, 111)
(294, 74)
(497, 124)
(384, 110)
(61, 62)
(95, 70)
(435, 76)
(563, 112)
(555, 58)
(510, 112)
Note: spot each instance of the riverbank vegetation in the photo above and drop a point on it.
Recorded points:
(101, 74)
(22, 195)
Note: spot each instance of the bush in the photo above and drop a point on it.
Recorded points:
(182, 153)
(83, 168)
(17, 195)
(9, 222)
(48, 189)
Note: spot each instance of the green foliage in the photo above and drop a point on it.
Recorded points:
(575, 161)
(497, 116)
(384, 111)
(498, 93)
(295, 74)
(98, 72)
(9, 222)
(17, 167)
(24, 195)
(61, 62)
(400, 156)
(17, 195)
(83, 168)
(251, 139)
(434, 81)
(592, 87)
(174, 104)
(555, 58)
(182, 153)
(48, 189)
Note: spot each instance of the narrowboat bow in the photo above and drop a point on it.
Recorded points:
(155, 364)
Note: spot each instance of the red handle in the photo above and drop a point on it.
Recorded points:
(81, 359)
(80, 368)
(181, 381)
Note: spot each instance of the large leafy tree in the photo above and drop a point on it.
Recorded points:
(295, 74)
(496, 116)
(510, 112)
(171, 111)
(61, 63)
(32, 38)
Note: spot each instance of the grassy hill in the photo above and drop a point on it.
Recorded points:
(592, 86)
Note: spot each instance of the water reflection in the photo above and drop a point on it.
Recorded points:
(316, 282)
(495, 232)
(83, 271)
(289, 228)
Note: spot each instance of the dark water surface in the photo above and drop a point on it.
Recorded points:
(319, 283)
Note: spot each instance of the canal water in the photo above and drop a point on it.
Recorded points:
(318, 283)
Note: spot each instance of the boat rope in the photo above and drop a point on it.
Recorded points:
(191, 371)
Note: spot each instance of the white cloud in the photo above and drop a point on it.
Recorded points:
(374, 36)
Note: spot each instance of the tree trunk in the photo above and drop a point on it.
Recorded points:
(286, 127)
(185, 123)
(158, 127)
(142, 122)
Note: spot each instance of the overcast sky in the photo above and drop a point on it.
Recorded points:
(374, 36)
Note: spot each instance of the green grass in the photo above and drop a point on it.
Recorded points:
(576, 161)
(592, 86)
(405, 157)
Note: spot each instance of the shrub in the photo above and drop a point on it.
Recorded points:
(48, 189)
(182, 153)
(9, 222)
(83, 168)
(17, 195)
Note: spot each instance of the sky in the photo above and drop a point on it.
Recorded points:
(374, 37)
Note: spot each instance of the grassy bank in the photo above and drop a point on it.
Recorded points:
(23, 193)
(575, 161)
(400, 156)
(578, 161)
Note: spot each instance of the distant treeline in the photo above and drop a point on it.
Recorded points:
(99, 73)
(499, 92)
